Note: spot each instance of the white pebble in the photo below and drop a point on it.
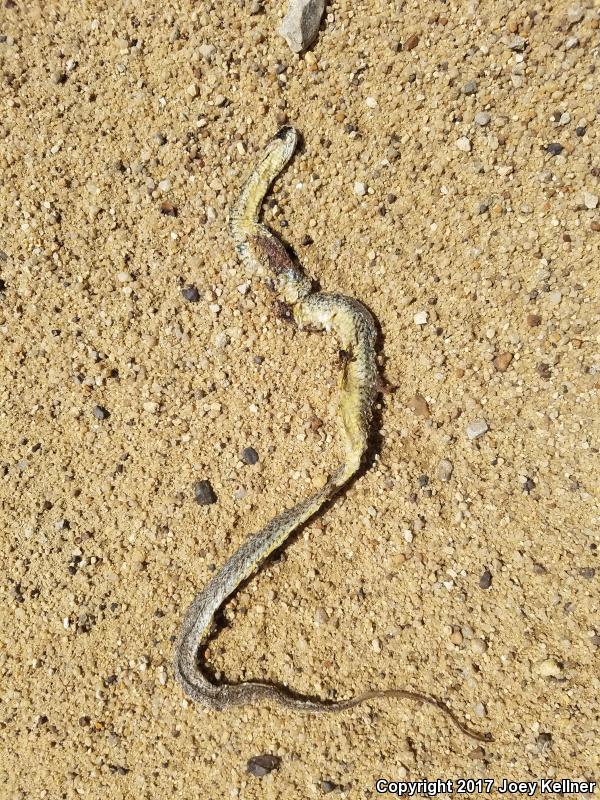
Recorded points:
(477, 428)
(359, 188)
(150, 406)
(371, 102)
(444, 470)
(420, 318)
(590, 200)
(463, 144)
(165, 185)
(548, 669)
(123, 277)
(482, 118)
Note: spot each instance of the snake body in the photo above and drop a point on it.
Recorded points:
(355, 329)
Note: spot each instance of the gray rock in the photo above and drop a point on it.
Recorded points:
(477, 428)
(301, 23)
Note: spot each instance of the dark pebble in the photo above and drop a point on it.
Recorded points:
(258, 359)
(544, 371)
(205, 494)
(528, 486)
(544, 739)
(423, 480)
(580, 131)
(486, 580)
(168, 209)
(191, 293)
(587, 573)
(328, 786)
(118, 769)
(307, 240)
(554, 148)
(84, 722)
(2, 285)
(100, 412)
(249, 455)
(259, 766)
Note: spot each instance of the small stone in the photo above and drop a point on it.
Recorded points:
(420, 406)
(207, 51)
(204, 493)
(571, 42)
(463, 144)
(456, 638)
(444, 470)
(192, 90)
(482, 118)
(590, 200)
(259, 766)
(123, 277)
(517, 43)
(533, 320)
(191, 293)
(100, 412)
(328, 786)
(479, 710)
(548, 669)
(168, 209)
(164, 185)
(587, 572)
(221, 340)
(411, 42)
(554, 148)
(470, 87)
(371, 102)
(150, 406)
(477, 428)
(478, 646)
(359, 188)
(485, 581)
(300, 25)
(420, 318)
(249, 455)
(502, 361)
(528, 485)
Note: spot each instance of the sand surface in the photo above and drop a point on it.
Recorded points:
(449, 175)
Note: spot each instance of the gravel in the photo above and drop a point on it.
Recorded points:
(477, 428)
(204, 493)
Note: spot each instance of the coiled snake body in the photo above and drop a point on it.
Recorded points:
(355, 329)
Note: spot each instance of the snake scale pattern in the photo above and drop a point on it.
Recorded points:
(355, 329)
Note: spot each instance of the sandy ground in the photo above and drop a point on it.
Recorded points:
(449, 172)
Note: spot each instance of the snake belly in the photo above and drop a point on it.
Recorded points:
(264, 254)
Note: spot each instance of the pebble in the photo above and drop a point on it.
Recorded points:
(477, 428)
(328, 786)
(359, 188)
(207, 51)
(517, 43)
(444, 470)
(590, 200)
(482, 118)
(249, 455)
(300, 25)
(411, 42)
(420, 406)
(463, 144)
(420, 318)
(204, 493)
(478, 646)
(371, 102)
(100, 412)
(150, 406)
(485, 581)
(191, 293)
(554, 148)
(470, 87)
(533, 320)
(548, 669)
(502, 361)
(456, 638)
(259, 766)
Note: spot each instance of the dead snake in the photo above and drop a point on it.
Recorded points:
(354, 327)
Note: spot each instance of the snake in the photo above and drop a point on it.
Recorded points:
(297, 301)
